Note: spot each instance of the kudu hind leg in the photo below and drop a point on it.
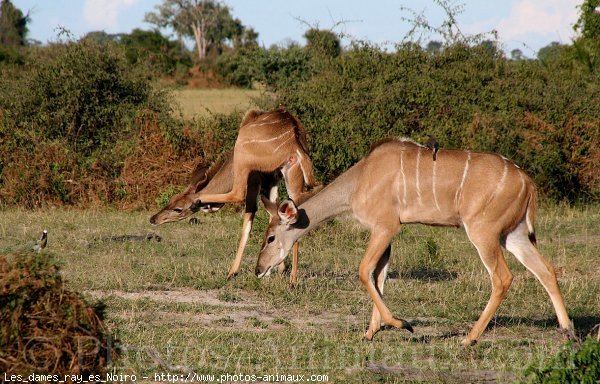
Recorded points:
(500, 276)
(294, 185)
(379, 243)
(380, 274)
(294, 180)
(519, 244)
(246, 228)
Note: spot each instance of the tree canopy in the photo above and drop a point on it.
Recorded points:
(209, 22)
(13, 25)
(589, 19)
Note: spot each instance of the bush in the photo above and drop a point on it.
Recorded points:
(274, 67)
(573, 364)
(544, 117)
(47, 329)
(69, 118)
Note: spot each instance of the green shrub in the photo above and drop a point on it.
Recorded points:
(544, 117)
(573, 364)
(274, 67)
(69, 117)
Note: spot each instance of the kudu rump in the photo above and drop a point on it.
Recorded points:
(268, 144)
(400, 182)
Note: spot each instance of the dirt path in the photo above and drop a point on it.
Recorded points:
(243, 312)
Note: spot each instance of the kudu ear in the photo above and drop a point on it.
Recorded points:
(270, 206)
(288, 212)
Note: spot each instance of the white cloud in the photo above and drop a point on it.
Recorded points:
(551, 20)
(103, 14)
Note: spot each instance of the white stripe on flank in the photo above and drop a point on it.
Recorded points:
(499, 186)
(417, 176)
(458, 195)
(522, 184)
(403, 177)
(285, 141)
(269, 122)
(267, 140)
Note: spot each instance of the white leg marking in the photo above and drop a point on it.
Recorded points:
(246, 233)
(385, 271)
(274, 193)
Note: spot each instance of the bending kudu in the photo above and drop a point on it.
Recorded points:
(280, 125)
(400, 182)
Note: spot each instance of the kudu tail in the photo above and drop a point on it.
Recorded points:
(307, 171)
(305, 161)
(530, 215)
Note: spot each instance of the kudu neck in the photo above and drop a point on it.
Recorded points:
(333, 200)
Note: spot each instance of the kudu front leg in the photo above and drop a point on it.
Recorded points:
(236, 195)
(380, 276)
(252, 191)
(246, 228)
(379, 243)
(294, 272)
(501, 278)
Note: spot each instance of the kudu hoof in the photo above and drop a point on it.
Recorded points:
(231, 275)
(403, 324)
(466, 342)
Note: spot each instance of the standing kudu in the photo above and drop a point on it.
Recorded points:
(400, 182)
(219, 179)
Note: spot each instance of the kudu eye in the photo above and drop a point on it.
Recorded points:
(195, 207)
(178, 210)
(270, 239)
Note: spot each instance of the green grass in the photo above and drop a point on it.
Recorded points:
(172, 297)
(203, 102)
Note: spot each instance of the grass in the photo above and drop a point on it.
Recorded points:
(203, 102)
(171, 299)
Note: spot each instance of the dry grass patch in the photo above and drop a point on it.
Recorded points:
(203, 102)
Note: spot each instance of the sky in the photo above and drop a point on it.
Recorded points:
(527, 25)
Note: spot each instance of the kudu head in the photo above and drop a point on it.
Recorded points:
(182, 205)
(277, 242)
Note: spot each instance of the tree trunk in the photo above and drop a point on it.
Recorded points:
(200, 37)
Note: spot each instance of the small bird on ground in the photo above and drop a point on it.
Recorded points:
(42, 241)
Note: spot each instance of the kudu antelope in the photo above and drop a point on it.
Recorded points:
(400, 182)
(274, 130)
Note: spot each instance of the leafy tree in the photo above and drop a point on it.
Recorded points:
(101, 37)
(516, 54)
(209, 22)
(589, 19)
(550, 52)
(323, 41)
(13, 25)
(434, 46)
(155, 50)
